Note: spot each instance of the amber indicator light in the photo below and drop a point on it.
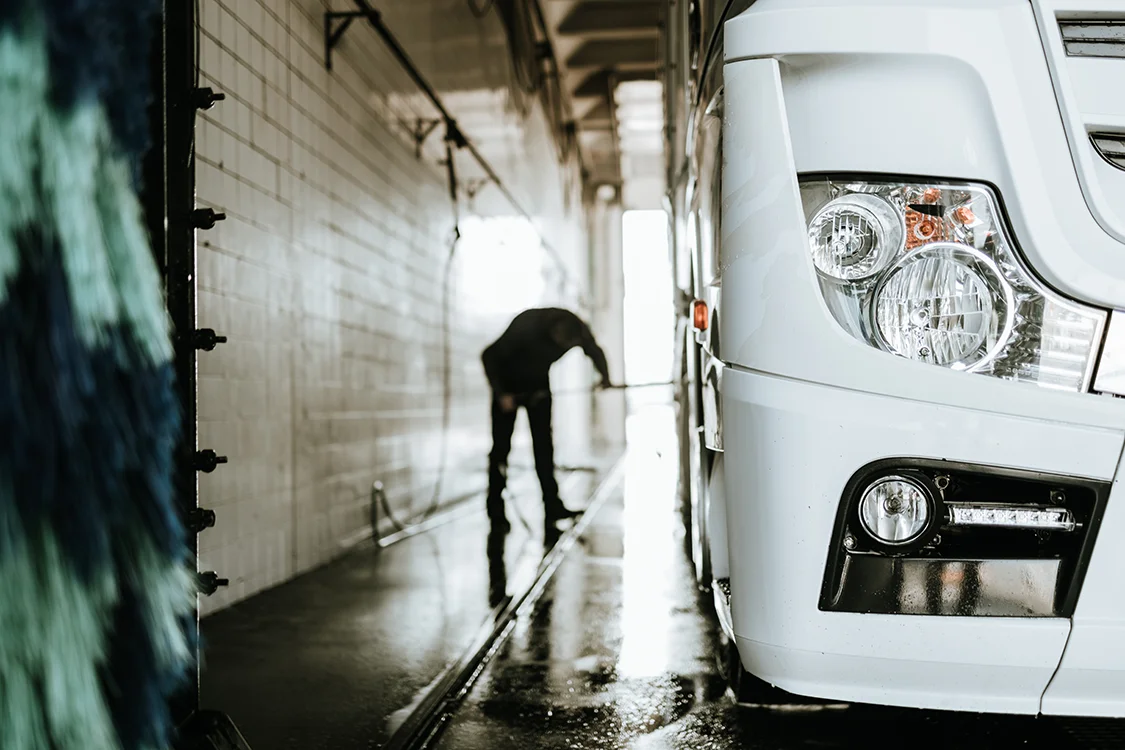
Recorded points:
(699, 315)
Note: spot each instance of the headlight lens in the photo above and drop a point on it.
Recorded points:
(944, 303)
(926, 272)
(855, 236)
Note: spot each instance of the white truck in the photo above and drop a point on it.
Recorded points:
(899, 230)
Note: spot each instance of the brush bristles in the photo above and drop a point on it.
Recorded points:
(95, 588)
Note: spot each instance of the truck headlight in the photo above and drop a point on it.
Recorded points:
(927, 272)
(855, 236)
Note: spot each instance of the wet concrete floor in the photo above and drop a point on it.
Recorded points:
(338, 657)
(621, 652)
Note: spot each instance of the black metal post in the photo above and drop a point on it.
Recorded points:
(168, 197)
(157, 191)
(174, 80)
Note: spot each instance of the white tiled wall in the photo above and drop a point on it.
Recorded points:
(327, 275)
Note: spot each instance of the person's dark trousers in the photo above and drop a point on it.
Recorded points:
(543, 446)
(503, 424)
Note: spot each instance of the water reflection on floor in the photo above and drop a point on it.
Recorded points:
(620, 652)
(339, 657)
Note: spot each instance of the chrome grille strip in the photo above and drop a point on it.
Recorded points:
(1111, 147)
(1093, 38)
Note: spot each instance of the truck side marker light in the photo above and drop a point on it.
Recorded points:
(699, 315)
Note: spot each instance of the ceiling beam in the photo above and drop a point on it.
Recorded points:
(598, 16)
(597, 83)
(602, 53)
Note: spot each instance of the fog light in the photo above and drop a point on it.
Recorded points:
(895, 510)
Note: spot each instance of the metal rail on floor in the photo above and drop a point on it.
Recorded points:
(426, 723)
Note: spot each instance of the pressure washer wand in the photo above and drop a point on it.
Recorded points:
(637, 385)
(612, 386)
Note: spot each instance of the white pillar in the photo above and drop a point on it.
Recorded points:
(608, 296)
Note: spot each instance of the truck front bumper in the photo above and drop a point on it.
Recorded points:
(790, 448)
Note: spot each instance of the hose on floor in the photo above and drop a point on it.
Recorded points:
(379, 499)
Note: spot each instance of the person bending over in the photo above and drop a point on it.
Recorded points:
(518, 368)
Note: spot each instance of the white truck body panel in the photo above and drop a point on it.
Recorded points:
(959, 90)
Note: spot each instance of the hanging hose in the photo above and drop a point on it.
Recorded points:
(377, 492)
(374, 19)
(446, 345)
(446, 379)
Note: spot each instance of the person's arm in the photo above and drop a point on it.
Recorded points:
(594, 352)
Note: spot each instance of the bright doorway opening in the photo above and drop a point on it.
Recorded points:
(650, 318)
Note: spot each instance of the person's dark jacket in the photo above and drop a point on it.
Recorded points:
(520, 360)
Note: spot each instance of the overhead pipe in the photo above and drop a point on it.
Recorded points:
(453, 131)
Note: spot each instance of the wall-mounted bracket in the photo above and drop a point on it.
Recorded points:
(474, 184)
(333, 32)
(420, 129)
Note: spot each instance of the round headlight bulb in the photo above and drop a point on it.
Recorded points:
(945, 304)
(855, 236)
(895, 510)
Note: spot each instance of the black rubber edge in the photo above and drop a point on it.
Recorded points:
(425, 724)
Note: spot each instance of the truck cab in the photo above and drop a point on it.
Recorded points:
(899, 232)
